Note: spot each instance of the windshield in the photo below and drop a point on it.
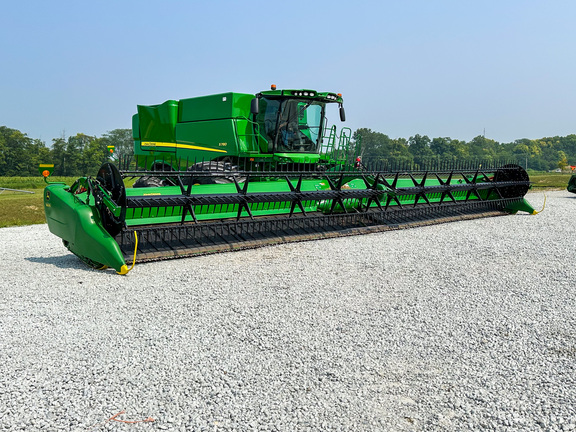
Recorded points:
(291, 125)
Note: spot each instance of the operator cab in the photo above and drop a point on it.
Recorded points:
(292, 121)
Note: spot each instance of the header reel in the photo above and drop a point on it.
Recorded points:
(258, 208)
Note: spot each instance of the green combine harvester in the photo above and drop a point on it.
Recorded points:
(233, 171)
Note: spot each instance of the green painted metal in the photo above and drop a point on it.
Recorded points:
(162, 215)
(284, 129)
(289, 127)
(76, 220)
(521, 205)
(75, 213)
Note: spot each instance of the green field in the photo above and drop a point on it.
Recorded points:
(542, 181)
(17, 208)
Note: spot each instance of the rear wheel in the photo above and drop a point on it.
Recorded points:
(155, 181)
(150, 181)
(212, 172)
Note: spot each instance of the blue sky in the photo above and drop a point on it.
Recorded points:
(442, 68)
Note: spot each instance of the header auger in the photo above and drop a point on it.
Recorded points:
(188, 205)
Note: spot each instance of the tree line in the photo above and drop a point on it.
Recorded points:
(542, 154)
(73, 156)
(82, 154)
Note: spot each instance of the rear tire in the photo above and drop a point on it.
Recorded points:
(153, 181)
(150, 181)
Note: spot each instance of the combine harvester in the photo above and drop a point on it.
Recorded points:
(233, 171)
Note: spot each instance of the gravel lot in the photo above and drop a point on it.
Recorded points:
(462, 326)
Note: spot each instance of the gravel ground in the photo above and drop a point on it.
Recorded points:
(462, 326)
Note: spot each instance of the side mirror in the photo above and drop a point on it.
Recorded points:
(254, 106)
(342, 113)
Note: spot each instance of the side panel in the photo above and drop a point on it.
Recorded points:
(157, 123)
(214, 107)
(154, 128)
(206, 140)
(195, 129)
(135, 127)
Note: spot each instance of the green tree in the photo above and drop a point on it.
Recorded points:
(562, 160)
(38, 154)
(449, 150)
(94, 155)
(483, 149)
(75, 155)
(59, 155)
(13, 145)
(399, 153)
(122, 141)
(379, 150)
(79, 155)
(419, 147)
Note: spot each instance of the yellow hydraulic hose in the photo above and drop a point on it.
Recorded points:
(124, 269)
(543, 206)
